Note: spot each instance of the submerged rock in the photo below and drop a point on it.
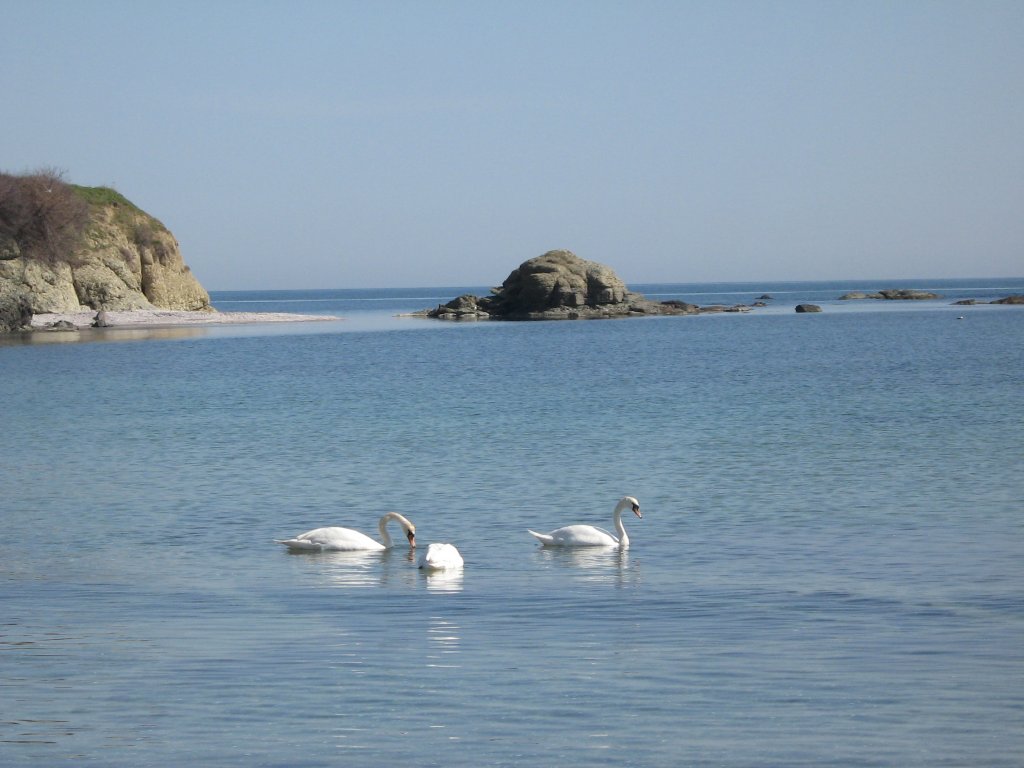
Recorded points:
(807, 308)
(1010, 300)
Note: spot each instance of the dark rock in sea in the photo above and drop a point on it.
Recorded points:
(557, 286)
(463, 307)
(808, 308)
(15, 309)
(904, 294)
(683, 307)
(764, 297)
(891, 294)
(62, 325)
(965, 303)
(1010, 300)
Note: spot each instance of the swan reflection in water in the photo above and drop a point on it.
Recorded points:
(360, 568)
(448, 580)
(593, 564)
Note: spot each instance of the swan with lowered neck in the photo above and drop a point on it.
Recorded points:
(589, 535)
(335, 539)
(438, 557)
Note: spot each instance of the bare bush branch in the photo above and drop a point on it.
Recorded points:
(42, 214)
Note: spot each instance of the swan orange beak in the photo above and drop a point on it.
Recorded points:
(411, 536)
(636, 511)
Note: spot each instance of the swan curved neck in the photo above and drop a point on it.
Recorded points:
(619, 527)
(382, 526)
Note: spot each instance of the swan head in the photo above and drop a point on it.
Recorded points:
(410, 534)
(631, 503)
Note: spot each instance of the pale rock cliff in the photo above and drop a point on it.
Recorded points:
(126, 259)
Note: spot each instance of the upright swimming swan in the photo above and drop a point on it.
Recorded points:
(336, 539)
(589, 535)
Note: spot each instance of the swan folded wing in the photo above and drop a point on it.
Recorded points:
(300, 544)
(579, 536)
(331, 539)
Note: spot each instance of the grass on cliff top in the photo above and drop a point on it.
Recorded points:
(106, 196)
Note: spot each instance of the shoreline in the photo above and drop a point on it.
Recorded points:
(167, 318)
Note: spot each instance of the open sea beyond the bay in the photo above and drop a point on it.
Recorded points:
(829, 570)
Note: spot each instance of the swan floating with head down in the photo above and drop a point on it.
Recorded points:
(335, 539)
(438, 557)
(589, 535)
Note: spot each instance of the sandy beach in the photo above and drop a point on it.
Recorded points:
(149, 318)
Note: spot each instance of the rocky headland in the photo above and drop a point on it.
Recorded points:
(72, 249)
(558, 285)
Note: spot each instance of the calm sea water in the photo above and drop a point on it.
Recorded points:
(829, 570)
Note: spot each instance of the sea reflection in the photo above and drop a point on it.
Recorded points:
(444, 638)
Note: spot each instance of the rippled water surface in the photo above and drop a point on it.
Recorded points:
(829, 569)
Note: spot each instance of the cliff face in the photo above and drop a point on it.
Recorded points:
(124, 259)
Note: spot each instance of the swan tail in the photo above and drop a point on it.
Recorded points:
(543, 538)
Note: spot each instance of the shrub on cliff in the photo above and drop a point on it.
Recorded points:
(42, 215)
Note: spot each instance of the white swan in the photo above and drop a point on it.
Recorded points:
(440, 556)
(336, 539)
(589, 535)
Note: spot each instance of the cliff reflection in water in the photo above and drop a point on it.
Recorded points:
(29, 338)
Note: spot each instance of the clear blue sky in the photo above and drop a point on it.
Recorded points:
(371, 144)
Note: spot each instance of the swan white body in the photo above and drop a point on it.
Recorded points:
(589, 535)
(440, 556)
(336, 539)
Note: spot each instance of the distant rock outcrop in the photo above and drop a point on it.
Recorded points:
(122, 259)
(1010, 300)
(802, 308)
(558, 285)
(892, 294)
(907, 294)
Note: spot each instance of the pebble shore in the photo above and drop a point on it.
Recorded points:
(136, 318)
